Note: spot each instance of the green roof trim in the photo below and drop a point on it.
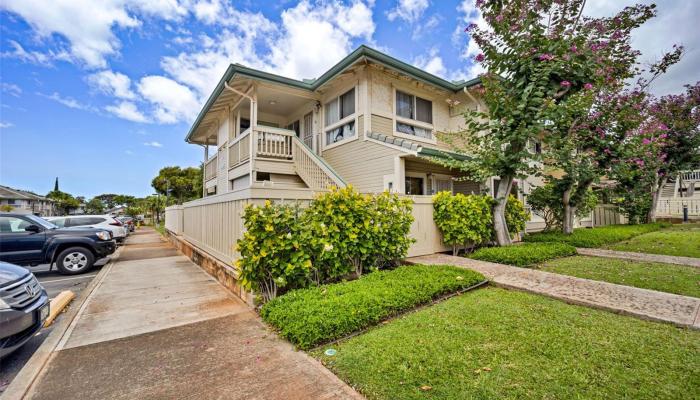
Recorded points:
(430, 152)
(313, 84)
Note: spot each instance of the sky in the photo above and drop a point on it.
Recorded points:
(102, 93)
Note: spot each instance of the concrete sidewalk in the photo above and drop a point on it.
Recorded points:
(156, 326)
(645, 257)
(643, 303)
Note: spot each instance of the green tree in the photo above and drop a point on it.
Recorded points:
(180, 184)
(107, 199)
(64, 201)
(94, 206)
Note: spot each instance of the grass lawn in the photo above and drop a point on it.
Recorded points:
(596, 237)
(494, 344)
(669, 278)
(679, 240)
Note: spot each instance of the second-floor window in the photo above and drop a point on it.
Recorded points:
(414, 115)
(339, 121)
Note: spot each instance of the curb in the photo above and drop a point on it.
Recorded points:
(23, 381)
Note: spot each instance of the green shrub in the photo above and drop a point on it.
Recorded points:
(516, 216)
(595, 237)
(340, 233)
(359, 231)
(273, 255)
(463, 220)
(524, 254)
(308, 317)
(466, 220)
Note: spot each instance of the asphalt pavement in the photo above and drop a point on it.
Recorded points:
(54, 283)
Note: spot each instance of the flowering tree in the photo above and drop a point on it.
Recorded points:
(538, 54)
(585, 130)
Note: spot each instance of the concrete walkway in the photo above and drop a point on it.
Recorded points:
(646, 257)
(643, 303)
(156, 326)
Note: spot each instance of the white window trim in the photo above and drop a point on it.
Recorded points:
(349, 118)
(419, 124)
(412, 174)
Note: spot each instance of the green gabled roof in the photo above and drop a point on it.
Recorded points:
(313, 84)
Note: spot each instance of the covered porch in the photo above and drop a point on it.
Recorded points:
(262, 135)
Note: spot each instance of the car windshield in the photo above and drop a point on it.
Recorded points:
(41, 222)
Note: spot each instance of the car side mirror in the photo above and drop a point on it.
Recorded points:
(33, 228)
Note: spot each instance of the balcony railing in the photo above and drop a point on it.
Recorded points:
(210, 168)
(691, 176)
(277, 144)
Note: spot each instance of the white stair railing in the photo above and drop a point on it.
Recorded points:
(312, 169)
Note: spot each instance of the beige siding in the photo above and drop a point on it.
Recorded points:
(466, 187)
(382, 125)
(362, 164)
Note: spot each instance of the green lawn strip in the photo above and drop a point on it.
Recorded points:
(524, 254)
(498, 344)
(596, 237)
(680, 240)
(668, 278)
(308, 317)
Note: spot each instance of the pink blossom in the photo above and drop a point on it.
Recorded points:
(479, 57)
(574, 49)
(607, 151)
(639, 162)
(646, 141)
(588, 86)
(546, 57)
(565, 84)
(499, 17)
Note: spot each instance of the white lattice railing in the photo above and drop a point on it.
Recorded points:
(312, 170)
(674, 207)
(691, 176)
(274, 143)
(210, 168)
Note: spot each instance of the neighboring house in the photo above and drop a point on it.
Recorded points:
(116, 211)
(23, 201)
(80, 210)
(681, 191)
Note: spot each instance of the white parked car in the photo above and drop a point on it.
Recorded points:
(119, 231)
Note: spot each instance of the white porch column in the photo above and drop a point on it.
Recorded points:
(400, 174)
(253, 134)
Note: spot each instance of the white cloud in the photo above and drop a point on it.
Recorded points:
(313, 38)
(432, 62)
(408, 10)
(128, 111)
(5, 125)
(208, 11)
(67, 101)
(468, 14)
(11, 89)
(34, 57)
(152, 144)
(113, 83)
(173, 102)
(129, 152)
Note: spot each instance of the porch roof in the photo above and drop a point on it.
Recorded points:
(362, 52)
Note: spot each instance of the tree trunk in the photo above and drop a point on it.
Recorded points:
(499, 211)
(567, 225)
(656, 196)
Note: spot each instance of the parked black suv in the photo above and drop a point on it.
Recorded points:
(29, 240)
(24, 307)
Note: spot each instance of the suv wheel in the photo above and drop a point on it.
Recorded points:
(74, 260)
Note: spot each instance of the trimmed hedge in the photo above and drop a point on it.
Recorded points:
(596, 237)
(312, 316)
(524, 254)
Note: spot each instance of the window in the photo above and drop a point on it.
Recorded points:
(534, 146)
(294, 126)
(244, 124)
(336, 111)
(60, 222)
(11, 201)
(417, 109)
(414, 185)
(13, 225)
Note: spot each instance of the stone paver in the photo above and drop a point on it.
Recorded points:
(643, 303)
(628, 255)
(161, 328)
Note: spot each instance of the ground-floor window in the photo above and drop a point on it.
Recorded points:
(415, 186)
